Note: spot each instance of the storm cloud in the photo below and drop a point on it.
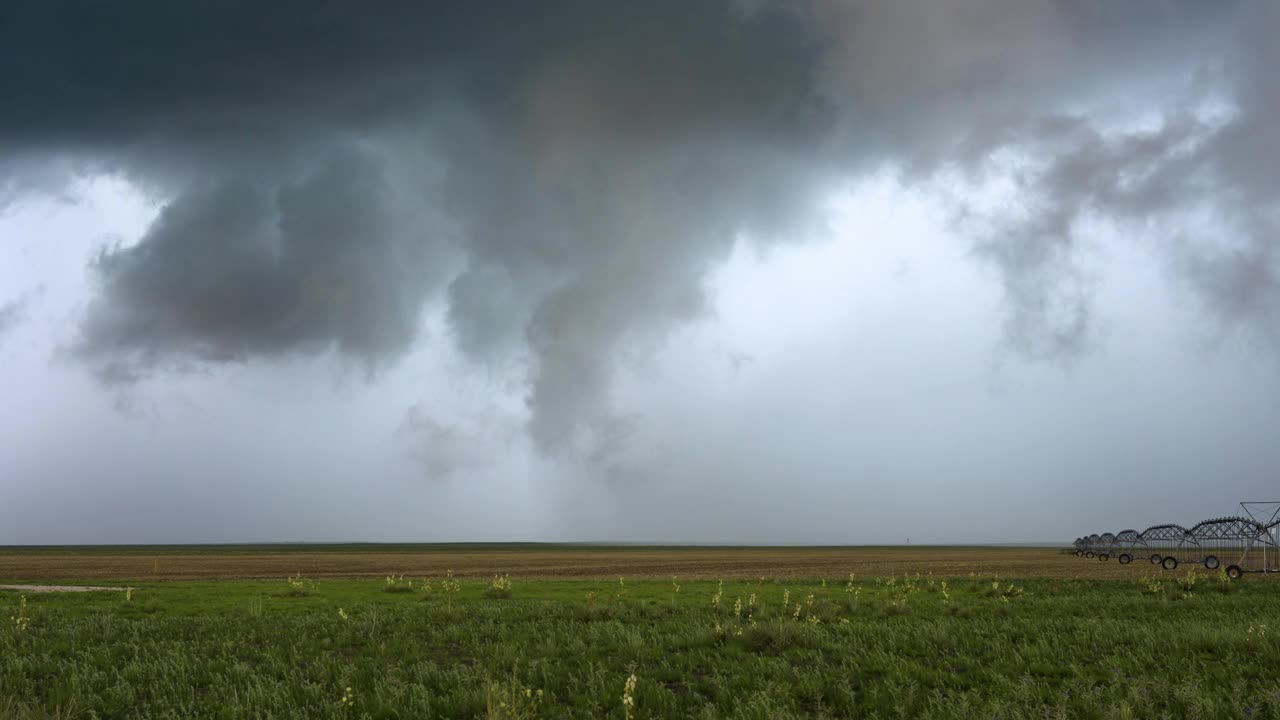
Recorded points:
(562, 177)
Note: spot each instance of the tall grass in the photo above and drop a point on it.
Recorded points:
(903, 647)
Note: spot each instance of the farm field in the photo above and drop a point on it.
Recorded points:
(529, 561)
(1153, 644)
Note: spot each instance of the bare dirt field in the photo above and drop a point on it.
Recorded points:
(58, 588)
(551, 561)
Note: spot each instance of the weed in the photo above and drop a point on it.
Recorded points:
(20, 621)
(629, 696)
(499, 587)
(1225, 584)
(1152, 586)
(512, 701)
(297, 586)
(1187, 583)
(1004, 592)
(396, 584)
(451, 587)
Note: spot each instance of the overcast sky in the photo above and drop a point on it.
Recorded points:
(816, 271)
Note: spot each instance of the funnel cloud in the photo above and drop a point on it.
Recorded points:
(607, 269)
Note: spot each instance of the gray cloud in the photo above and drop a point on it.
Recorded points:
(1196, 181)
(564, 177)
(456, 445)
(236, 267)
(11, 315)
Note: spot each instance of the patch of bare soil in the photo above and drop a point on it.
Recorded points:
(601, 562)
(57, 588)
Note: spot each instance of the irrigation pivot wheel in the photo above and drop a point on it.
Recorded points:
(1169, 563)
(1211, 562)
(1155, 558)
(1089, 554)
(1125, 558)
(1234, 572)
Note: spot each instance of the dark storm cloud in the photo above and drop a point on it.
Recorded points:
(232, 269)
(564, 174)
(574, 168)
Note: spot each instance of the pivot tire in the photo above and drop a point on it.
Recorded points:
(1169, 563)
(1125, 558)
(1155, 558)
(1104, 557)
(1089, 554)
(1234, 572)
(1211, 562)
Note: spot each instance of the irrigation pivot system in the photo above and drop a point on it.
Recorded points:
(1091, 545)
(1162, 541)
(1237, 544)
(1124, 544)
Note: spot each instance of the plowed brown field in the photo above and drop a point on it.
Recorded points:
(553, 561)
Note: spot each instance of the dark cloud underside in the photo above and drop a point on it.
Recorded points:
(564, 174)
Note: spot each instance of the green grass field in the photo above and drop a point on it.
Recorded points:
(875, 648)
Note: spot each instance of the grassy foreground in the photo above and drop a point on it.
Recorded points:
(879, 648)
